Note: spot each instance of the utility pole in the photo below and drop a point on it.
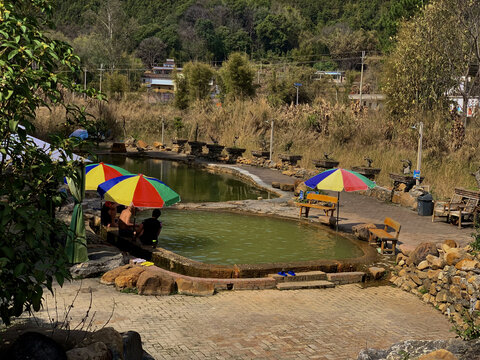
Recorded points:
(297, 85)
(361, 77)
(419, 151)
(271, 140)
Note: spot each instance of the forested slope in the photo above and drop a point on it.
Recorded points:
(309, 31)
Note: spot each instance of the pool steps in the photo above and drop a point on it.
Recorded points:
(316, 280)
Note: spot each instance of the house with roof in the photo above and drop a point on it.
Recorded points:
(160, 79)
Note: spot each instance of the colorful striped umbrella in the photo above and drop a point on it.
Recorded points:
(99, 173)
(339, 180)
(140, 190)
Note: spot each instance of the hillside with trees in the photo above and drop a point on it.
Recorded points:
(320, 33)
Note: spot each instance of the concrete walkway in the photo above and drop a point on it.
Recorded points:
(356, 208)
(269, 324)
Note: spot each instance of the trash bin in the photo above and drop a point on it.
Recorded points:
(425, 205)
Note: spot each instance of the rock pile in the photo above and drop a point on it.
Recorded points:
(152, 280)
(453, 349)
(444, 275)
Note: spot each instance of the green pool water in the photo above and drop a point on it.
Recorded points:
(193, 184)
(226, 238)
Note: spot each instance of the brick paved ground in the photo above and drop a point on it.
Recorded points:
(355, 208)
(270, 324)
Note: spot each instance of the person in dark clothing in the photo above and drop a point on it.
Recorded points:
(150, 229)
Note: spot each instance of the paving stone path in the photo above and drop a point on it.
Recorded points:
(270, 324)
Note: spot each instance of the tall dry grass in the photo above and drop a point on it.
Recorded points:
(344, 131)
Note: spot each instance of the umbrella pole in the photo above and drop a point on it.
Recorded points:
(338, 206)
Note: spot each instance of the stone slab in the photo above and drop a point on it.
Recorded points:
(346, 277)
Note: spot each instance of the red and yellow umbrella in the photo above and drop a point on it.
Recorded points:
(140, 190)
(99, 173)
(338, 180)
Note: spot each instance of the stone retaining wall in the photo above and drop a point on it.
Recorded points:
(443, 275)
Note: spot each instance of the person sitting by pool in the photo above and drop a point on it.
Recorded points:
(108, 214)
(149, 230)
(125, 227)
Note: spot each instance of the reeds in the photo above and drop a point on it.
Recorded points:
(347, 132)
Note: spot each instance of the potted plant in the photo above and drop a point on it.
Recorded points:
(196, 147)
(234, 152)
(367, 171)
(288, 158)
(326, 162)
(214, 149)
(263, 153)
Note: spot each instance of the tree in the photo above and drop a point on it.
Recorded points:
(345, 45)
(237, 77)
(198, 77)
(151, 51)
(113, 27)
(36, 72)
(116, 84)
(429, 60)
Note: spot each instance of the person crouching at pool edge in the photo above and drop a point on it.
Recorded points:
(149, 230)
(125, 226)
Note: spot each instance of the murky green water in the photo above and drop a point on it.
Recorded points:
(225, 238)
(193, 185)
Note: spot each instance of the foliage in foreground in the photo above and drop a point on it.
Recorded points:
(31, 250)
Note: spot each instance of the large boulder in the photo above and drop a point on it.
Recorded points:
(100, 260)
(454, 255)
(421, 251)
(451, 243)
(361, 230)
(467, 265)
(128, 278)
(376, 272)
(404, 199)
(132, 346)
(189, 287)
(109, 277)
(154, 281)
(33, 345)
(95, 351)
(110, 337)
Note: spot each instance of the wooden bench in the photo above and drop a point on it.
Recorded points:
(384, 237)
(323, 202)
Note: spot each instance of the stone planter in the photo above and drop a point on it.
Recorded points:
(234, 153)
(408, 180)
(261, 154)
(290, 159)
(179, 145)
(368, 172)
(196, 148)
(214, 151)
(325, 164)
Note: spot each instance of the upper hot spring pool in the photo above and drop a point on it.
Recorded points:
(192, 184)
(227, 238)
